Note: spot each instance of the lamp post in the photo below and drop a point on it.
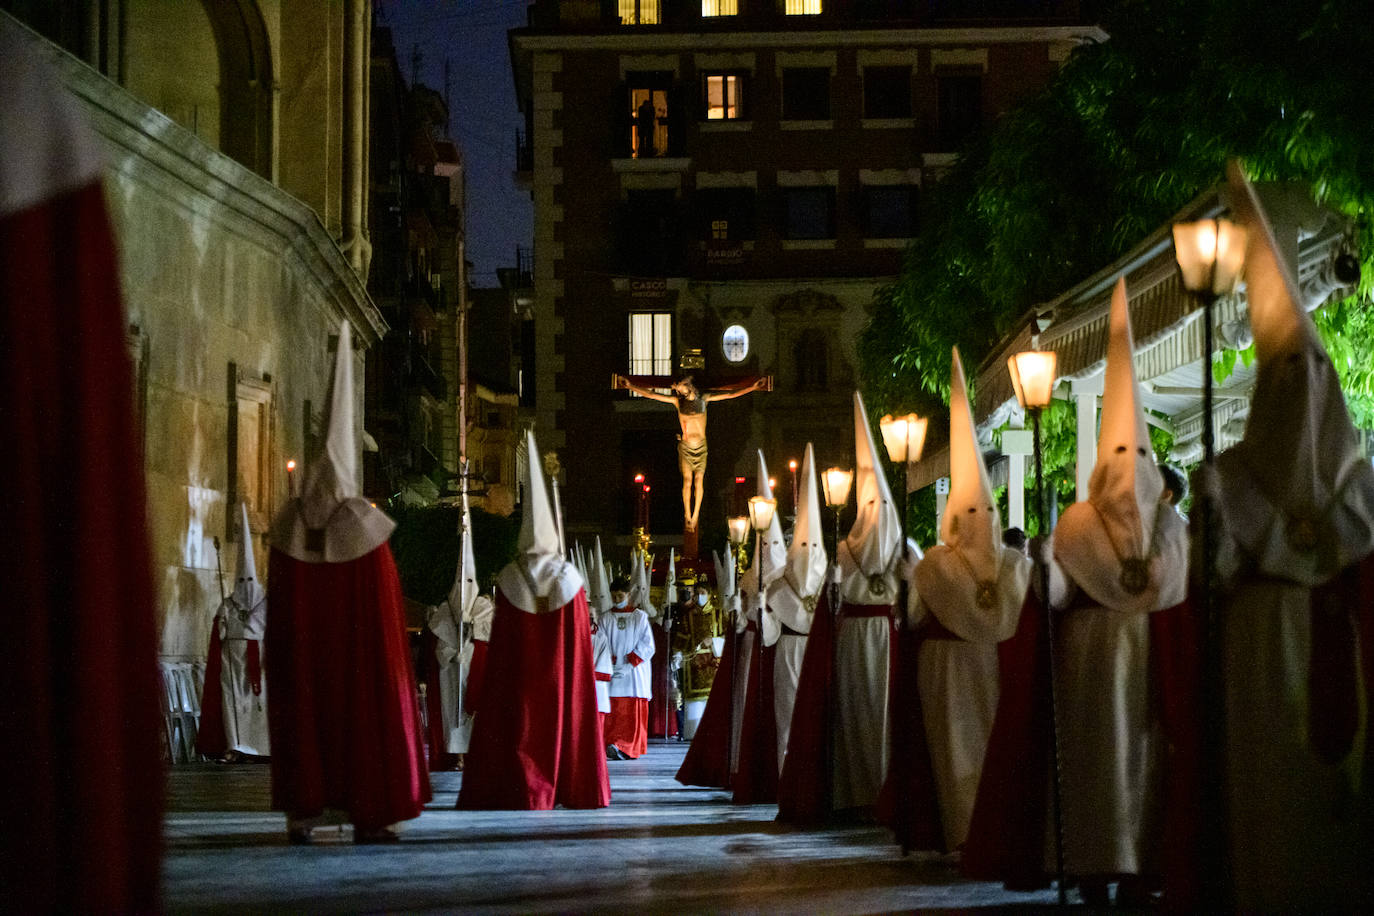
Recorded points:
(739, 529)
(1210, 254)
(792, 469)
(761, 511)
(836, 483)
(1032, 375)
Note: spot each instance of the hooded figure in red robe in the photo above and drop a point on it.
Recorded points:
(345, 725)
(536, 741)
(83, 815)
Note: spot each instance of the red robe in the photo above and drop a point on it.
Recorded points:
(536, 740)
(1007, 834)
(806, 786)
(344, 722)
(82, 705)
(707, 762)
(662, 717)
(756, 774)
(908, 803)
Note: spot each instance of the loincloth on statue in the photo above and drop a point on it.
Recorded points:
(692, 457)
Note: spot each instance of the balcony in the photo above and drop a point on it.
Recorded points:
(524, 158)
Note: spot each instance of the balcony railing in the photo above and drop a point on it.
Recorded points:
(524, 153)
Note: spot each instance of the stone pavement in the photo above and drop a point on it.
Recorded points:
(660, 847)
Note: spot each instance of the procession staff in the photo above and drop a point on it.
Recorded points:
(344, 725)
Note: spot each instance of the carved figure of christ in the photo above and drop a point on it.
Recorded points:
(691, 416)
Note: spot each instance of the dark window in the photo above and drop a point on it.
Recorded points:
(725, 214)
(887, 92)
(806, 94)
(808, 213)
(811, 355)
(722, 96)
(890, 212)
(648, 234)
(961, 106)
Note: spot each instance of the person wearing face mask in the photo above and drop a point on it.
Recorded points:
(233, 723)
(632, 645)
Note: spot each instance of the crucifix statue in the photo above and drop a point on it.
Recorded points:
(691, 416)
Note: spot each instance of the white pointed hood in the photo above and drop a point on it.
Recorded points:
(971, 583)
(640, 585)
(794, 599)
(1296, 495)
(329, 522)
(539, 569)
(868, 556)
(971, 521)
(248, 590)
(1121, 546)
(773, 554)
(725, 582)
(670, 581)
(464, 591)
(599, 585)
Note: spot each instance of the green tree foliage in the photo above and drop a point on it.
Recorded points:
(1127, 133)
(425, 544)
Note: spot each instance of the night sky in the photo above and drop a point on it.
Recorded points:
(471, 35)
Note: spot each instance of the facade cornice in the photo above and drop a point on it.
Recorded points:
(821, 38)
(149, 147)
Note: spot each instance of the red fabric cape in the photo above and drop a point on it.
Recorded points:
(536, 740)
(1006, 838)
(343, 718)
(626, 725)
(660, 716)
(756, 776)
(211, 739)
(806, 786)
(83, 708)
(706, 763)
(439, 756)
(908, 803)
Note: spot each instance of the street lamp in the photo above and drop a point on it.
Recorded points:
(1032, 376)
(1210, 254)
(761, 511)
(792, 469)
(905, 439)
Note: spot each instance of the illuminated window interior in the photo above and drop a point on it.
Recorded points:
(719, 7)
(800, 7)
(722, 97)
(651, 343)
(640, 12)
(648, 122)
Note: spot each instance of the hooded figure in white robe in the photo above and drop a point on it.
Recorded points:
(792, 600)
(1123, 554)
(969, 591)
(1294, 513)
(242, 687)
(871, 567)
(455, 652)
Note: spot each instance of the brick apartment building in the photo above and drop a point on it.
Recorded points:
(723, 184)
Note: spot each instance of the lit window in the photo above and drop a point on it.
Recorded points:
(722, 97)
(649, 122)
(800, 7)
(719, 7)
(735, 343)
(639, 12)
(651, 343)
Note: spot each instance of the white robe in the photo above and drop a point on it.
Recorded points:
(601, 664)
(454, 666)
(795, 613)
(958, 679)
(1111, 742)
(629, 633)
(245, 713)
